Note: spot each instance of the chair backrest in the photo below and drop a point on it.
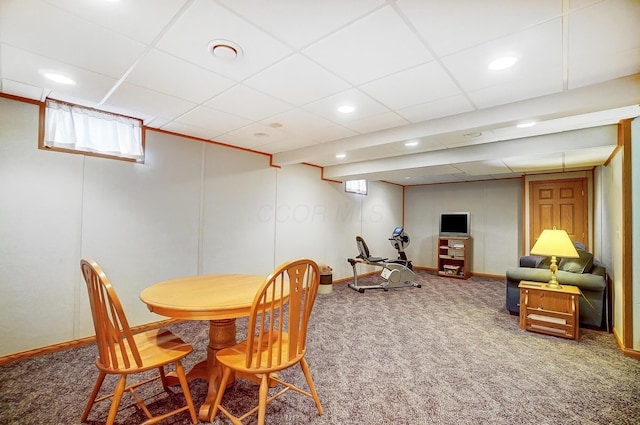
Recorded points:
(117, 349)
(280, 314)
(362, 248)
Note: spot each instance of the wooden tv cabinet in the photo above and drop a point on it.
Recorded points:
(454, 257)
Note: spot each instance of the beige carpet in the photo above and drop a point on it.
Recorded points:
(446, 353)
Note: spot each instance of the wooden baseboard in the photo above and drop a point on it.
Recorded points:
(76, 343)
(629, 352)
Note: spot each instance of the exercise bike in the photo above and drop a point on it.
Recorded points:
(395, 273)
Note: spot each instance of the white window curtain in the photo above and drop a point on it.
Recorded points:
(74, 127)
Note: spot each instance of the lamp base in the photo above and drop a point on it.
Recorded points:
(553, 283)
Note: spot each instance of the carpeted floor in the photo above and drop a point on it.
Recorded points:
(446, 353)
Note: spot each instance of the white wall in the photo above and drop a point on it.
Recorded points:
(191, 208)
(609, 182)
(496, 217)
(195, 208)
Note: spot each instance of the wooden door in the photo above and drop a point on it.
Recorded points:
(559, 203)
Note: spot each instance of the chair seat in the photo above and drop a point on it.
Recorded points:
(276, 338)
(235, 356)
(157, 347)
(123, 353)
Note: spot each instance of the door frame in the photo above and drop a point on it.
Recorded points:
(526, 197)
(585, 206)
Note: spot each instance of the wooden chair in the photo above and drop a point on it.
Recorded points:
(277, 333)
(122, 353)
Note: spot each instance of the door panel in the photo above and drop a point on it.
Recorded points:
(559, 203)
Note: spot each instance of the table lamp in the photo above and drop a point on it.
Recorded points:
(554, 242)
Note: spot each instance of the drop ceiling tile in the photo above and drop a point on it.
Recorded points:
(514, 91)
(284, 145)
(164, 73)
(483, 168)
(300, 23)
(217, 122)
(332, 132)
(414, 86)
(299, 121)
(157, 122)
(436, 109)
(605, 42)
(539, 65)
(135, 98)
(449, 27)
(20, 89)
(376, 123)
(370, 48)
(55, 33)
(297, 80)
(363, 104)
(191, 130)
(29, 68)
(246, 102)
(204, 21)
(588, 157)
(253, 135)
(534, 162)
(141, 20)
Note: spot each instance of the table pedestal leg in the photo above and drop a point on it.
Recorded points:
(222, 334)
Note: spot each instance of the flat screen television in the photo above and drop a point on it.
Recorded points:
(455, 224)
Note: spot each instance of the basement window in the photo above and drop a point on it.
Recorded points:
(77, 129)
(356, 186)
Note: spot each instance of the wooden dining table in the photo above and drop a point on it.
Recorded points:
(219, 299)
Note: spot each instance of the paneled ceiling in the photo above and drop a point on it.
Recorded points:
(414, 70)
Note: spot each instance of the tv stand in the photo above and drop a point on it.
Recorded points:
(454, 257)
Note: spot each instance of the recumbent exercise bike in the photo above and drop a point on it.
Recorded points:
(395, 273)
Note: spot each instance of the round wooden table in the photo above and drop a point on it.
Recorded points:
(220, 299)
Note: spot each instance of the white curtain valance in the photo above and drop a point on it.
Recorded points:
(74, 127)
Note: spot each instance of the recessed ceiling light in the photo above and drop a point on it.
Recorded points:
(225, 50)
(341, 155)
(526, 124)
(59, 78)
(411, 143)
(502, 63)
(345, 109)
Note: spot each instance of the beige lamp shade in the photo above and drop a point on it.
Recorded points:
(554, 243)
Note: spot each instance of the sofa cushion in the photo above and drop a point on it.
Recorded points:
(577, 265)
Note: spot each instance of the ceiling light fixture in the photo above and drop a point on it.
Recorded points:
(411, 143)
(59, 78)
(345, 109)
(526, 124)
(502, 63)
(225, 50)
(341, 155)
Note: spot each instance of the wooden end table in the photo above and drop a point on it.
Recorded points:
(550, 311)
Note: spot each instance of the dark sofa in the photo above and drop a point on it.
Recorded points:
(586, 273)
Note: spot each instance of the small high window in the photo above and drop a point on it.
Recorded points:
(356, 186)
(73, 128)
